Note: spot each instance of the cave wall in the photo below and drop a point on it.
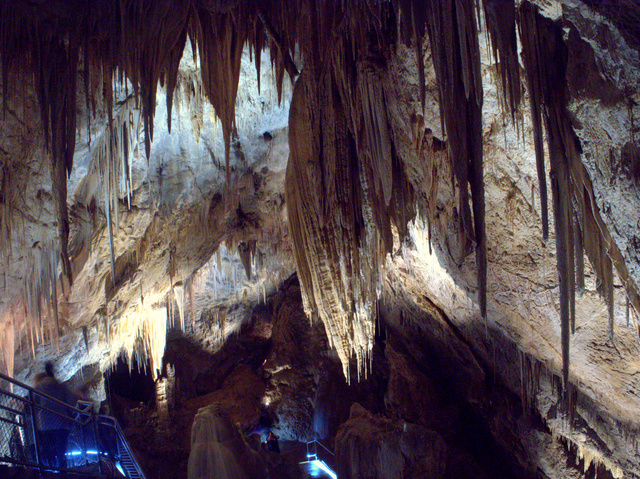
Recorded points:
(413, 185)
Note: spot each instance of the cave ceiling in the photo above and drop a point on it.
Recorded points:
(180, 159)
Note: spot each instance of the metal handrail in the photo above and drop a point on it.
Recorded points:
(26, 421)
(324, 447)
(315, 441)
(72, 409)
(122, 441)
(321, 461)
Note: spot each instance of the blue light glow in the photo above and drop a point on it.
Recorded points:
(79, 453)
(317, 466)
(325, 468)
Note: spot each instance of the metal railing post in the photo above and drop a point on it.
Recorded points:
(95, 431)
(34, 429)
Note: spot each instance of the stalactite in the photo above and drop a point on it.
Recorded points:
(279, 44)
(500, 16)
(109, 173)
(326, 262)
(579, 227)
(244, 251)
(178, 292)
(141, 334)
(579, 257)
(384, 194)
(626, 309)
(346, 191)
(220, 39)
(191, 300)
(546, 55)
(189, 90)
(33, 349)
(7, 346)
(412, 25)
(528, 27)
(600, 251)
(39, 298)
(152, 39)
(456, 57)
(143, 43)
(85, 336)
(56, 66)
(354, 184)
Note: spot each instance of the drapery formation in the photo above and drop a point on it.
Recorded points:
(347, 190)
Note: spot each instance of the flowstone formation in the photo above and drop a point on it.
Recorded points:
(396, 154)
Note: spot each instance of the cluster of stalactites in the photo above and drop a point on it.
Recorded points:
(353, 179)
(346, 188)
(33, 318)
(456, 57)
(141, 335)
(110, 171)
(97, 43)
(339, 123)
(579, 228)
(135, 44)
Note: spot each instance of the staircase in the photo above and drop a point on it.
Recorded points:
(130, 466)
(124, 457)
(39, 433)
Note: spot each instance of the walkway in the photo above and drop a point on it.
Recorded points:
(39, 433)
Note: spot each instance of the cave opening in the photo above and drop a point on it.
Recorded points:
(129, 385)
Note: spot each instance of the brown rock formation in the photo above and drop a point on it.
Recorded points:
(374, 447)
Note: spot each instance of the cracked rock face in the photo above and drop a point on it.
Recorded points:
(177, 240)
